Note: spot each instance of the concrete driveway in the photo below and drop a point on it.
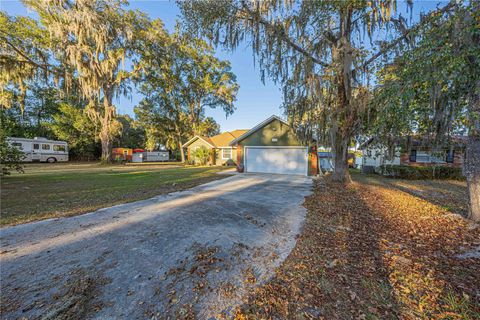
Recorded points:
(191, 252)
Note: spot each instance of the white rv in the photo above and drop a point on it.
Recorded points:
(41, 149)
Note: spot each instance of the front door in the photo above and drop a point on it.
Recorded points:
(36, 152)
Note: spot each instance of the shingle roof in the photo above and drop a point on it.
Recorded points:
(220, 140)
(223, 139)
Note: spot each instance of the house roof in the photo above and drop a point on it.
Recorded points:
(220, 140)
(256, 128)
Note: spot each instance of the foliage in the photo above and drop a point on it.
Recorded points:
(377, 249)
(88, 42)
(315, 50)
(132, 134)
(425, 91)
(421, 172)
(73, 125)
(25, 57)
(10, 157)
(201, 155)
(433, 89)
(179, 88)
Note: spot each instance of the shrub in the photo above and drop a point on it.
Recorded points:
(420, 172)
(10, 157)
(201, 155)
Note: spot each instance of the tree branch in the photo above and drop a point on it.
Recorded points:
(405, 35)
(28, 59)
(276, 28)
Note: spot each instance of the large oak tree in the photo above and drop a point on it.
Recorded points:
(315, 50)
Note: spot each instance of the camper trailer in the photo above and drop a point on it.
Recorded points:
(41, 149)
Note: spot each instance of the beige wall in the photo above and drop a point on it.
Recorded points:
(218, 153)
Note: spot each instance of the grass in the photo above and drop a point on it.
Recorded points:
(54, 190)
(377, 249)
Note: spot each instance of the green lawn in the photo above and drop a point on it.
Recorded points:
(53, 190)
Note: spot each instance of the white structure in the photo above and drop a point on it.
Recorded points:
(375, 156)
(41, 149)
(152, 156)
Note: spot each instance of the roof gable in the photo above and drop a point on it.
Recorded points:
(219, 140)
(257, 127)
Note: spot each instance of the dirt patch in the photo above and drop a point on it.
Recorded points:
(78, 297)
(373, 251)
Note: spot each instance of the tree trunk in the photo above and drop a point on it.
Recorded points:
(340, 153)
(472, 158)
(106, 126)
(472, 172)
(182, 152)
(106, 142)
(342, 126)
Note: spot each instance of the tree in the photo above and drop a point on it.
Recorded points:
(433, 89)
(202, 154)
(93, 40)
(314, 49)
(25, 57)
(180, 86)
(132, 135)
(72, 124)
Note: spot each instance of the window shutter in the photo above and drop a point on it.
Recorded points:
(450, 156)
(413, 156)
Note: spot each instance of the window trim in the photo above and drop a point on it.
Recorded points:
(46, 144)
(231, 153)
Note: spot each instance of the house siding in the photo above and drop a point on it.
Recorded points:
(196, 144)
(276, 129)
(285, 136)
(216, 158)
(458, 159)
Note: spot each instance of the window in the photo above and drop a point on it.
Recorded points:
(45, 147)
(430, 156)
(450, 156)
(61, 148)
(227, 153)
(18, 145)
(36, 146)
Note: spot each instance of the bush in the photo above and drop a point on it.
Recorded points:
(201, 155)
(10, 157)
(420, 172)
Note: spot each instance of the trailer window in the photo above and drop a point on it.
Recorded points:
(45, 147)
(36, 146)
(57, 147)
(18, 145)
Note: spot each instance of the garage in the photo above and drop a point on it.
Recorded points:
(271, 159)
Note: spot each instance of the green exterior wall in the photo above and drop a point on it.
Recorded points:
(275, 129)
(263, 137)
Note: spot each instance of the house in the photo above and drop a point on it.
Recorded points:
(270, 147)
(413, 151)
(221, 151)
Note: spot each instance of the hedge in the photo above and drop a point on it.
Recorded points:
(420, 172)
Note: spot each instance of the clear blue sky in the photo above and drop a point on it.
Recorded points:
(255, 101)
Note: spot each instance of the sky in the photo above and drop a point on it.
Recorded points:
(255, 101)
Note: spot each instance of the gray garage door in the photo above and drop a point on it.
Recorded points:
(284, 160)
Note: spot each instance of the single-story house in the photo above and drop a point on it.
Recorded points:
(221, 151)
(414, 152)
(270, 147)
